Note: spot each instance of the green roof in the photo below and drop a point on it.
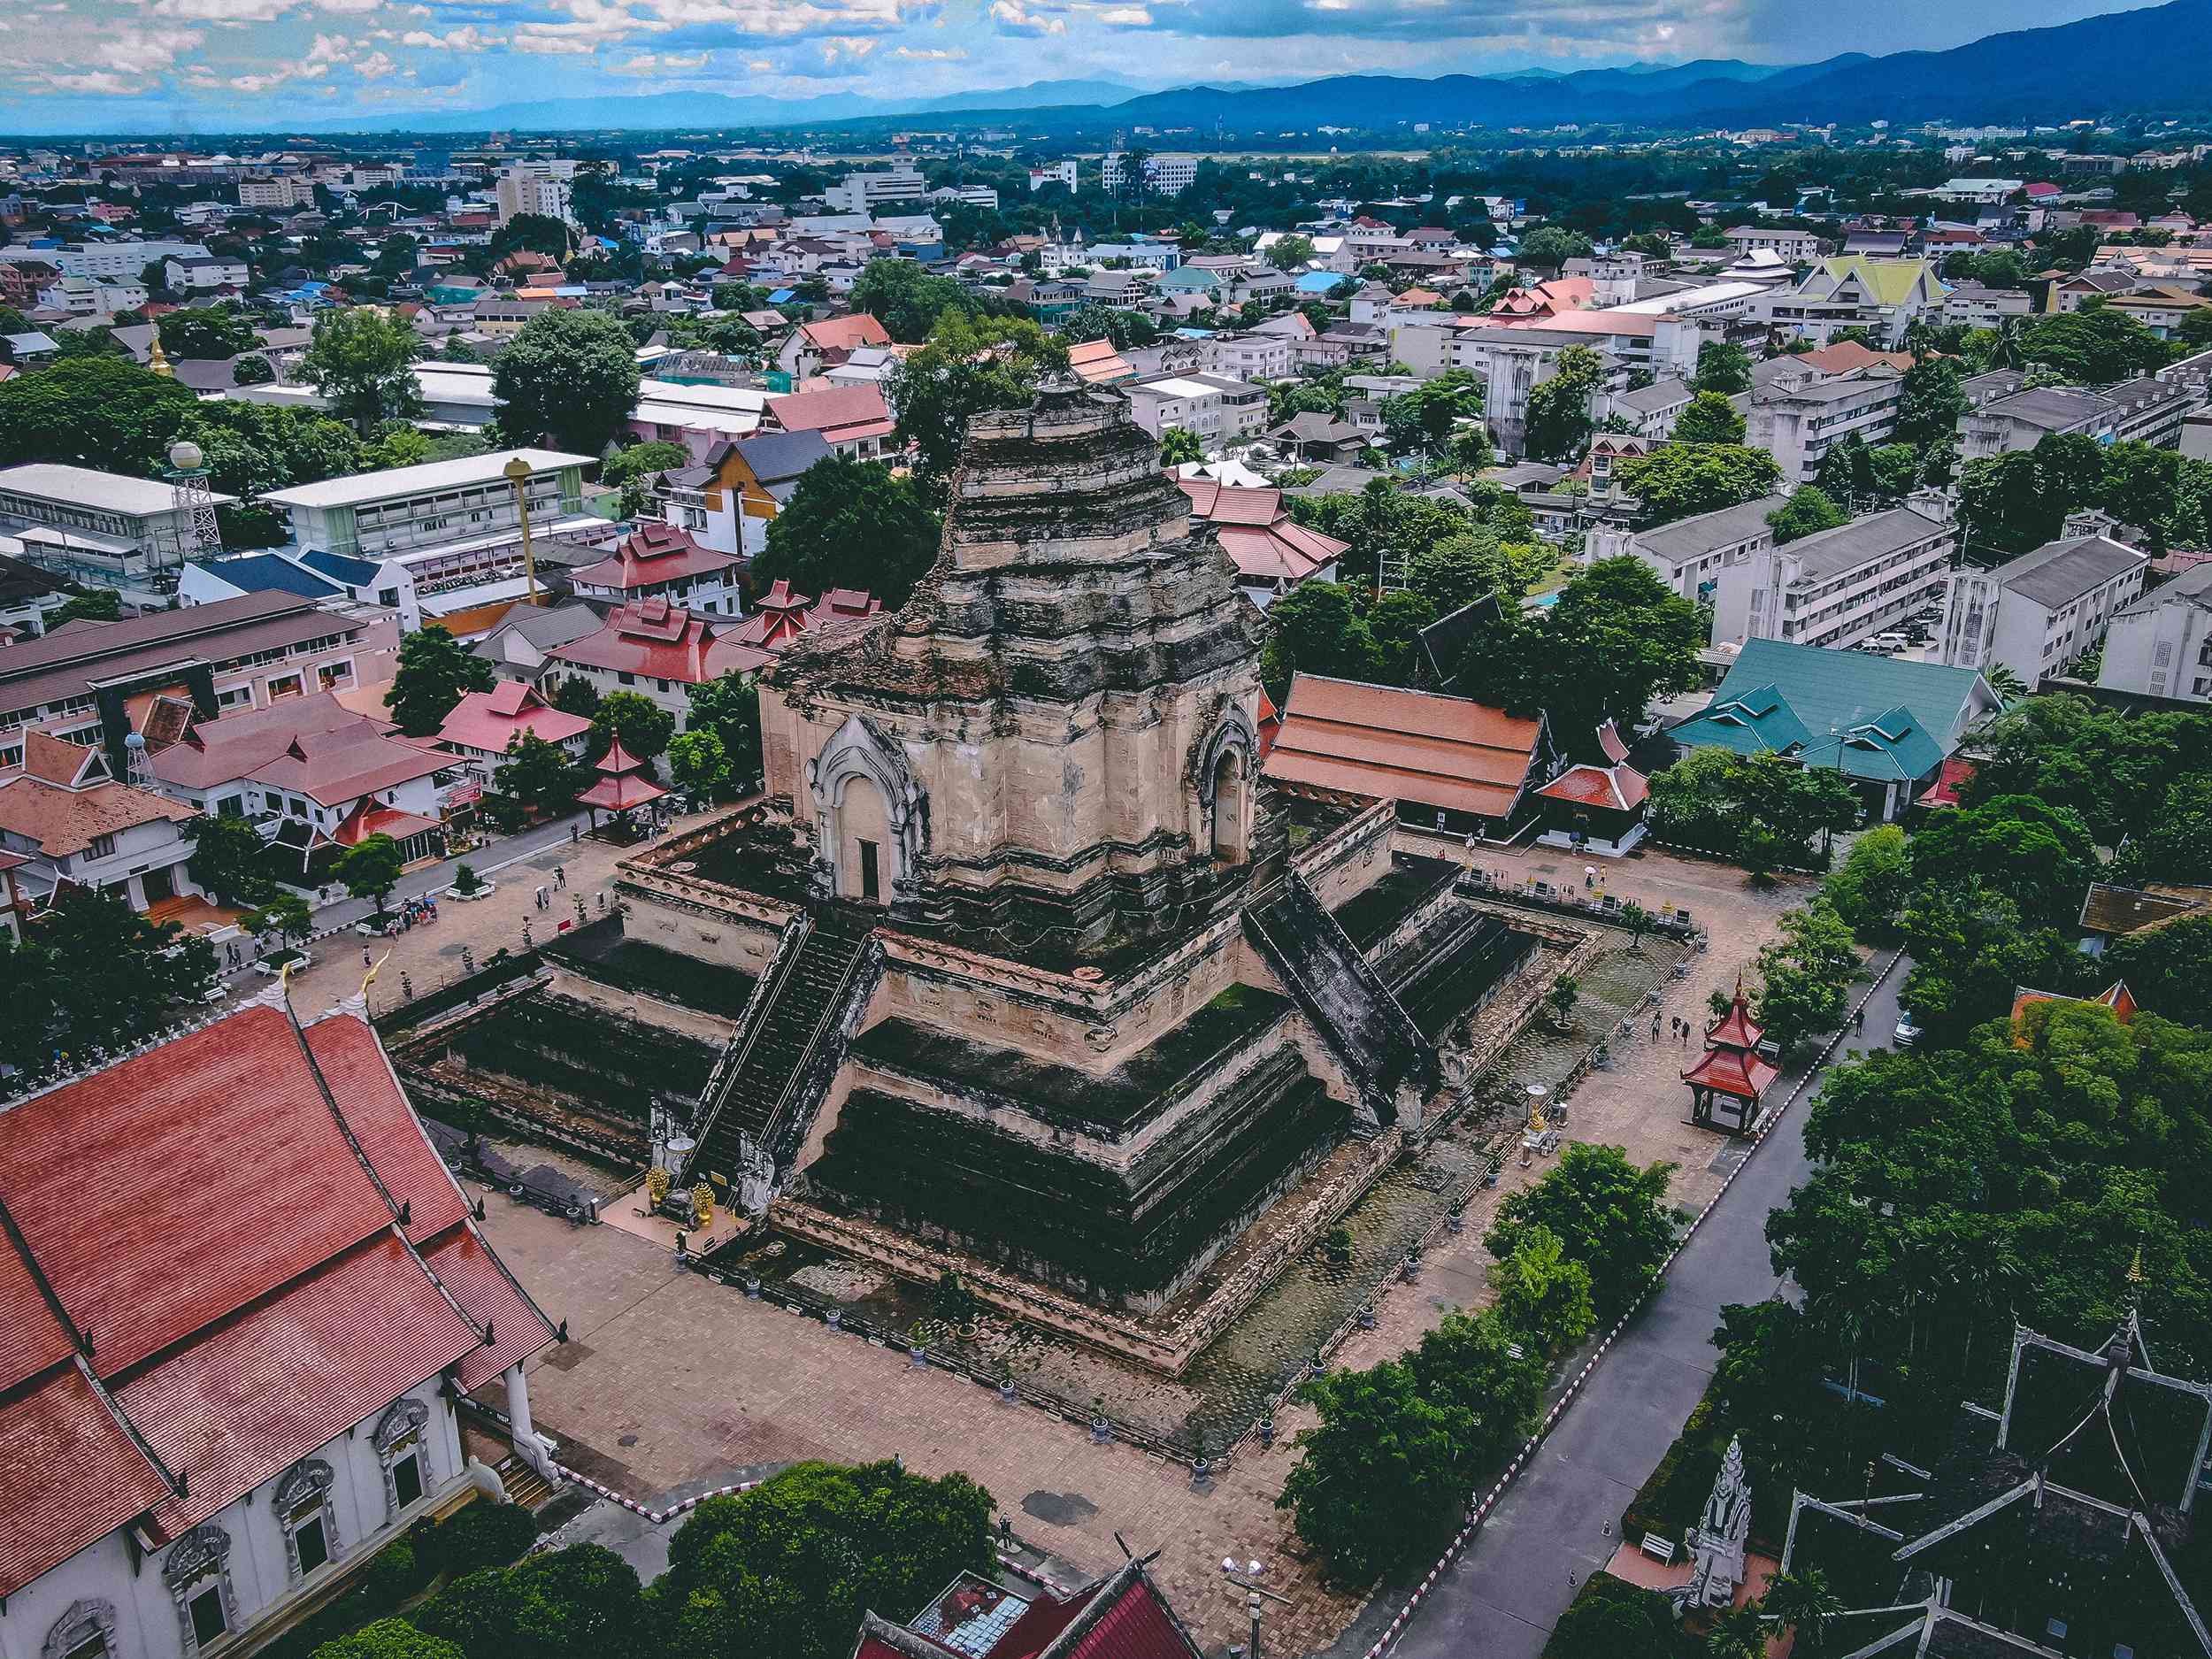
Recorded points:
(1891, 281)
(1879, 718)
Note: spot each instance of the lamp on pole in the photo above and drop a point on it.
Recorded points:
(518, 473)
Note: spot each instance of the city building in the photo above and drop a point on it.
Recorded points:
(812, 347)
(1980, 307)
(727, 501)
(1124, 1616)
(484, 724)
(1885, 723)
(1792, 246)
(200, 273)
(278, 190)
(93, 296)
(2160, 645)
(2024, 419)
(1217, 410)
(520, 644)
(659, 561)
(29, 595)
(852, 420)
(540, 188)
(864, 192)
(1272, 552)
(2037, 614)
(1885, 296)
(1799, 417)
(69, 822)
(127, 259)
(368, 514)
(1060, 173)
(1689, 553)
(1840, 588)
(243, 1435)
(1165, 174)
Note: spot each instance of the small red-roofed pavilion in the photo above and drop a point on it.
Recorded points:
(622, 784)
(1733, 1074)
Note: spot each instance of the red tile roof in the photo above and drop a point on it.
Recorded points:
(313, 746)
(489, 720)
(245, 1308)
(1733, 1071)
(656, 553)
(839, 413)
(1621, 788)
(843, 334)
(1403, 745)
(1257, 533)
(67, 821)
(651, 637)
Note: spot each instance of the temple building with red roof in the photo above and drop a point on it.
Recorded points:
(484, 724)
(1594, 809)
(222, 1390)
(624, 782)
(1124, 1616)
(661, 650)
(1734, 1075)
(659, 561)
(1272, 553)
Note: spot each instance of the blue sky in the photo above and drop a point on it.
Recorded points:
(155, 64)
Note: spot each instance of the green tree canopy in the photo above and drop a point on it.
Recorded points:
(1710, 418)
(2094, 346)
(1181, 444)
(227, 859)
(2112, 770)
(906, 299)
(539, 774)
(1544, 1292)
(1933, 401)
(216, 331)
(362, 362)
(969, 364)
(1318, 630)
(1807, 511)
(371, 868)
(1805, 974)
(1722, 368)
(1557, 425)
(1610, 1216)
(851, 524)
(432, 672)
(94, 971)
(1424, 420)
(643, 726)
(729, 707)
(388, 1638)
(103, 412)
(1675, 482)
(2039, 856)
(570, 377)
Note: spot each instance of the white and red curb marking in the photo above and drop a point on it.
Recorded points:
(658, 1517)
(1482, 1510)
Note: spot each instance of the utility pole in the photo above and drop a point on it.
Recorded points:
(518, 473)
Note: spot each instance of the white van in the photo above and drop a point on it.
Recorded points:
(1889, 644)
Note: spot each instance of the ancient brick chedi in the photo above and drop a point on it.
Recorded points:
(1040, 972)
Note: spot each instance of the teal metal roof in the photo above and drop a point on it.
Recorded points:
(1878, 718)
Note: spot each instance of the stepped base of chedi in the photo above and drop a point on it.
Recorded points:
(1040, 973)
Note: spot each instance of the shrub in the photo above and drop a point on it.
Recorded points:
(480, 1535)
(388, 1638)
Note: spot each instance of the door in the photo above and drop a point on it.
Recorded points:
(158, 885)
(870, 882)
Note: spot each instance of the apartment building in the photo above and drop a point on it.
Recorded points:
(1249, 356)
(2025, 419)
(1166, 174)
(1689, 553)
(534, 187)
(1841, 587)
(64, 816)
(1800, 418)
(277, 190)
(107, 258)
(2160, 645)
(1219, 410)
(371, 514)
(1980, 307)
(2036, 613)
(1061, 173)
(104, 529)
(93, 296)
(2152, 410)
(1513, 359)
(1884, 296)
(1791, 245)
(864, 192)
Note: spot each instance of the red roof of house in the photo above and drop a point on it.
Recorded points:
(844, 333)
(241, 1311)
(780, 617)
(1258, 534)
(1620, 789)
(2115, 996)
(1739, 1072)
(651, 637)
(368, 818)
(655, 553)
(1401, 745)
(1124, 1616)
(1944, 790)
(621, 784)
(1735, 1029)
(489, 720)
(839, 413)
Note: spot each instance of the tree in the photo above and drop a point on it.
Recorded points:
(1676, 482)
(1549, 247)
(1318, 630)
(388, 1638)
(531, 232)
(1291, 253)
(641, 725)
(1930, 401)
(1709, 419)
(697, 764)
(2176, 845)
(284, 915)
(905, 299)
(788, 1568)
(969, 365)
(432, 672)
(98, 604)
(1379, 1476)
(253, 369)
(1469, 1363)
(362, 362)
(1543, 1293)
(1610, 1216)
(371, 868)
(1425, 420)
(1722, 368)
(1806, 512)
(1557, 425)
(570, 377)
(1459, 569)
(226, 859)
(583, 1599)
(2168, 968)
(2094, 345)
(851, 524)
(206, 331)
(1614, 1619)
(2112, 770)
(729, 708)
(1782, 809)
(540, 775)
(573, 694)
(95, 973)
(1805, 974)
(1394, 621)
(1870, 890)
(103, 412)
(1180, 445)
(2038, 856)
(1802, 1603)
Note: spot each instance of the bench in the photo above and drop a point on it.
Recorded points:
(1659, 1549)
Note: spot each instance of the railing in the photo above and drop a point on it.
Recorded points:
(832, 1007)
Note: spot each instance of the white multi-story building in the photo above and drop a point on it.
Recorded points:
(198, 273)
(102, 528)
(1217, 410)
(1799, 417)
(534, 187)
(1512, 360)
(2039, 611)
(1793, 245)
(244, 1434)
(278, 190)
(93, 296)
(1058, 172)
(1980, 307)
(1249, 355)
(2160, 644)
(1838, 587)
(370, 514)
(107, 258)
(64, 815)
(1165, 174)
(1884, 296)
(1689, 553)
(862, 192)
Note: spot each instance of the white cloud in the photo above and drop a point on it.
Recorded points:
(853, 46)
(935, 55)
(468, 38)
(230, 13)
(1016, 16)
(95, 81)
(761, 66)
(660, 64)
(375, 66)
(1125, 17)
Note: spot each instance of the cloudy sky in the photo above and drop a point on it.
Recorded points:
(152, 63)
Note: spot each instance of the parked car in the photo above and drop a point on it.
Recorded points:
(1908, 1031)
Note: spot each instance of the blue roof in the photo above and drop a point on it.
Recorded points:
(1879, 718)
(1317, 281)
(782, 295)
(265, 572)
(347, 572)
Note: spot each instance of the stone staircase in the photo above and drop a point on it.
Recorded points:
(759, 1071)
(525, 1484)
(1394, 1066)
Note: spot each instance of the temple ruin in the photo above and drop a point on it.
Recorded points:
(1040, 973)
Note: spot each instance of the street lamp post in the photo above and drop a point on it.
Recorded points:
(518, 473)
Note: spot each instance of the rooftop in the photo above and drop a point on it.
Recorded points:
(84, 486)
(1400, 745)
(1695, 537)
(2059, 572)
(426, 479)
(1828, 553)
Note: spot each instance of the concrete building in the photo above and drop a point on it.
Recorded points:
(2025, 419)
(659, 561)
(93, 296)
(1512, 360)
(541, 188)
(864, 192)
(1885, 296)
(1061, 173)
(246, 1435)
(1838, 587)
(2038, 612)
(70, 823)
(277, 190)
(1690, 554)
(1794, 246)
(1165, 174)
(370, 514)
(107, 258)
(1218, 411)
(727, 501)
(103, 529)
(1798, 418)
(1980, 307)
(2160, 645)
(201, 273)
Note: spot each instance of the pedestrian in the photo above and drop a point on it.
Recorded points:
(368, 956)
(573, 835)
(1589, 875)
(560, 877)
(1858, 1019)
(1655, 1028)
(1686, 1033)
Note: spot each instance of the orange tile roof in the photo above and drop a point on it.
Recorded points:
(65, 821)
(1399, 745)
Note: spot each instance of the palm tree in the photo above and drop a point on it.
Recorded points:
(1738, 1633)
(2007, 685)
(1804, 1603)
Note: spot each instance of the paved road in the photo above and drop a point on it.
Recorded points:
(1502, 1598)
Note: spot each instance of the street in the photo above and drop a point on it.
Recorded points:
(1502, 1596)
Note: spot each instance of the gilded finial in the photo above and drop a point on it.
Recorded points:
(158, 360)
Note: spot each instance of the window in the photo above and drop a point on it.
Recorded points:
(625, 679)
(103, 846)
(209, 1618)
(284, 685)
(303, 1509)
(313, 1547)
(407, 1479)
